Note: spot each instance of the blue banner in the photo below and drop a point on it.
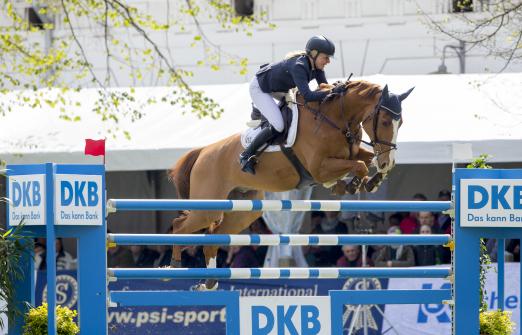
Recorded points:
(208, 320)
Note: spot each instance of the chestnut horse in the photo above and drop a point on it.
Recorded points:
(327, 145)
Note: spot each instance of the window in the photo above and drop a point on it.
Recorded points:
(33, 18)
(244, 7)
(462, 6)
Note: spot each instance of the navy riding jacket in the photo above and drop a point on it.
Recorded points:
(289, 73)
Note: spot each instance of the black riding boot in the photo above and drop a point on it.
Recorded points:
(247, 158)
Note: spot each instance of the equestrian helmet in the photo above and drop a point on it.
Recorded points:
(321, 44)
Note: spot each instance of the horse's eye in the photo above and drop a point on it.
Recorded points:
(386, 123)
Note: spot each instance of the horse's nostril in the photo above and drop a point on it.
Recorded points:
(383, 165)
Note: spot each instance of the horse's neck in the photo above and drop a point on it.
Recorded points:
(354, 110)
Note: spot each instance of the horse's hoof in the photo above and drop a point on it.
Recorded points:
(207, 286)
(198, 287)
(211, 284)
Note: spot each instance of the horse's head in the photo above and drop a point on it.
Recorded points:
(382, 126)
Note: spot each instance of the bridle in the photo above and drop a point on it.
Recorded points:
(350, 132)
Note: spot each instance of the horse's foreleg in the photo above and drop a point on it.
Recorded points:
(332, 169)
(366, 156)
(370, 184)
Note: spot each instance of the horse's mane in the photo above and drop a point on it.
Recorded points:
(363, 88)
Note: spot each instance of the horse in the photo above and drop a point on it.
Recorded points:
(328, 145)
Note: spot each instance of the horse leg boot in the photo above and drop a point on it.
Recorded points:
(374, 182)
(248, 158)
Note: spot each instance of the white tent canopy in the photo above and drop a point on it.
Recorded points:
(483, 110)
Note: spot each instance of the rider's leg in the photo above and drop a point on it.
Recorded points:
(267, 105)
(271, 112)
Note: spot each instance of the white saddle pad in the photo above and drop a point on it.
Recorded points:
(250, 133)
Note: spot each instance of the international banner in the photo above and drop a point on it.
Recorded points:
(427, 319)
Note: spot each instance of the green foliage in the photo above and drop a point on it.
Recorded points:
(36, 321)
(485, 266)
(480, 162)
(496, 323)
(30, 63)
(485, 261)
(13, 246)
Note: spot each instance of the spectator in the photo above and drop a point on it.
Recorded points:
(395, 220)
(426, 254)
(64, 260)
(427, 218)
(39, 254)
(143, 256)
(410, 224)
(444, 220)
(242, 257)
(119, 257)
(259, 227)
(316, 217)
(513, 246)
(352, 257)
(164, 253)
(491, 248)
(395, 255)
(325, 255)
(193, 257)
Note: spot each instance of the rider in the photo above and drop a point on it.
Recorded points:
(297, 69)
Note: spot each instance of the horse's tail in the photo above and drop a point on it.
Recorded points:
(180, 173)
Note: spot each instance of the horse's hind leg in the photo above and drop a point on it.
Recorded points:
(188, 223)
(232, 223)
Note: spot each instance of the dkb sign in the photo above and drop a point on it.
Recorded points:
(27, 199)
(78, 199)
(491, 202)
(285, 315)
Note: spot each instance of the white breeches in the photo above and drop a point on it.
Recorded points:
(267, 105)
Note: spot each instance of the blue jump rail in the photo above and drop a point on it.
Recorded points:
(277, 273)
(208, 239)
(114, 205)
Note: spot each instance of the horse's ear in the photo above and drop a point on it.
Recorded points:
(385, 91)
(405, 94)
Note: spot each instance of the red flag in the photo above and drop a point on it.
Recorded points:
(95, 147)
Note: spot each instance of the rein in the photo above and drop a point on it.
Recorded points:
(352, 136)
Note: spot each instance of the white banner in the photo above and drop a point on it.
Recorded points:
(281, 315)
(78, 199)
(491, 203)
(436, 319)
(27, 200)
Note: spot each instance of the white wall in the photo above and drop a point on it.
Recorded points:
(372, 36)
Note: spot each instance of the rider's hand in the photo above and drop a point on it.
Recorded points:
(339, 89)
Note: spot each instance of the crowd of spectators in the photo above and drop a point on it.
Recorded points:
(316, 256)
